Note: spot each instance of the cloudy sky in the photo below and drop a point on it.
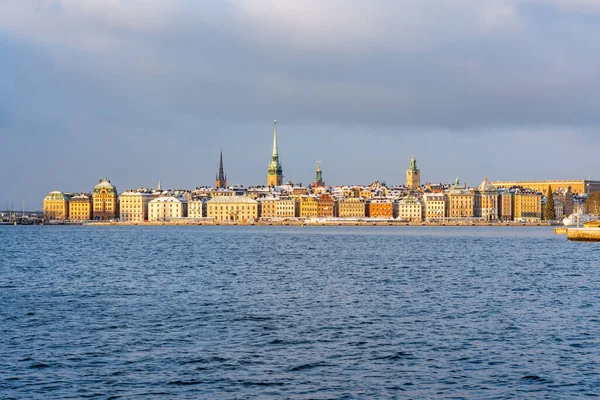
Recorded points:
(142, 90)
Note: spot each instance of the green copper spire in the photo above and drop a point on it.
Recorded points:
(413, 164)
(275, 172)
(275, 166)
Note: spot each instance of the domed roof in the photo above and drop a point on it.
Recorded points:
(56, 195)
(105, 184)
(486, 186)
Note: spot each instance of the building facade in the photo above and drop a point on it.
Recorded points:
(565, 196)
(506, 205)
(486, 201)
(166, 208)
(196, 209)
(527, 205)
(105, 201)
(582, 186)
(275, 171)
(379, 208)
(56, 205)
(309, 207)
(409, 208)
(133, 206)
(286, 208)
(232, 209)
(352, 207)
(435, 206)
(268, 207)
(80, 207)
(325, 206)
(413, 175)
(460, 201)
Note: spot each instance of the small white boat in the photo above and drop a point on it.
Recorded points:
(576, 219)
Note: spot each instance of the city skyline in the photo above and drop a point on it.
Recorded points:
(505, 89)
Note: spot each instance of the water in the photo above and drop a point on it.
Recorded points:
(290, 312)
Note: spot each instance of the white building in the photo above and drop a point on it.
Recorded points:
(196, 209)
(166, 208)
(134, 206)
(409, 209)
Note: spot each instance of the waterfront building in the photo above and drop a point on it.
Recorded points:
(80, 207)
(435, 206)
(318, 177)
(413, 175)
(379, 207)
(352, 207)
(133, 206)
(565, 196)
(268, 207)
(275, 171)
(486, 201)
(325, 207)
(234, 208)
(527, 205)
(56, 205)
(460, 201)
(582, 186)
(286, 208)
(221, 179)
(309, 207)
(409, 208)
(166, 208)
(506, 205)
(559, 210)
(105, 200)
(196, 209)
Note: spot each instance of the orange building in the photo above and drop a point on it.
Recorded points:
(379, 208)
(325, 206)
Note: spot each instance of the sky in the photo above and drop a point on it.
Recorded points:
(147, 90)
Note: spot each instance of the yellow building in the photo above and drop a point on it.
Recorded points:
(527, 205)
(460, 201)
(350, 208)
(133, 206)
(236, 208)
(80, 207)
(105, 201)
(268, 207)
(309, 207)
(435, 206)
(413, 176)
(275, 171)
(577, 186)
(56, 205)
(506, 204)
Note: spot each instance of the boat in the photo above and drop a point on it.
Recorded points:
(576, 219)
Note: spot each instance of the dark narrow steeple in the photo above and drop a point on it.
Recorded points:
(221, 181)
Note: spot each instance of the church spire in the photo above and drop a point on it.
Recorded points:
(275, 172)
(221, 181)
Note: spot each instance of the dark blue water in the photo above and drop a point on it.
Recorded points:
(250, 312)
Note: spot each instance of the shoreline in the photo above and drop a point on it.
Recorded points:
(317, 223)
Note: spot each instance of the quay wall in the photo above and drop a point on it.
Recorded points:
(312, 223)
(584, 234)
